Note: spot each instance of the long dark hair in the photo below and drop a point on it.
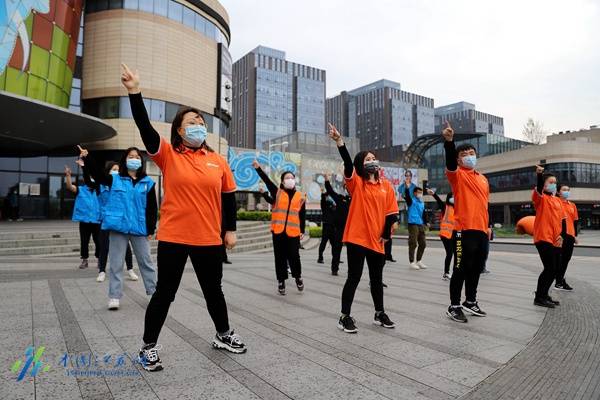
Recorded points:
(176, 140)
(141, 172)
(359, 167)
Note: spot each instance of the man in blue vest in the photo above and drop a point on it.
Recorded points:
(416, 226)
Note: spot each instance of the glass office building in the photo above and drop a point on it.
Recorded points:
(273, 97)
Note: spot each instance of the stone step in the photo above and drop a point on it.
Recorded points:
(72, 247)
(242, 227)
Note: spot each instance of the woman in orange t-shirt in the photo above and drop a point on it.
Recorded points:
(198, 204)
(373, 211)
(549, 230)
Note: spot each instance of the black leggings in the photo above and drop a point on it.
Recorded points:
(104, 240)
(207, 263)
(565, 257)
(449, 247)
(550, 256)
(469, 259)
(287, 250)
(327, 235)
(86, 230)
(356, 261)
(336, 248)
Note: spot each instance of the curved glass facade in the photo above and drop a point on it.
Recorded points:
(486, 145)
(41, 63)
(166, 8)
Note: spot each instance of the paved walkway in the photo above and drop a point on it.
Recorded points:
(295, 350)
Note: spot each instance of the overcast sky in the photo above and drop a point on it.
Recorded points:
(512, 58)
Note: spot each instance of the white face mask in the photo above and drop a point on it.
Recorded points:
(289, 183)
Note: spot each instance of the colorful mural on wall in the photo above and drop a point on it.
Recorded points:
(273, 163)
(313, 170)
(38, 43)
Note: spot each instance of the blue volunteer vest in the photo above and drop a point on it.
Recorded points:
(415, 212)
(103, 199)
(87, 207)
(125, 210)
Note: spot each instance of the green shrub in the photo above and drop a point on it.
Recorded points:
(253, 216)
(315, 232)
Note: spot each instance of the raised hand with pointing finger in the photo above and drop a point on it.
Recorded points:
(130, 79)
(539, 169)
(335, 135)
(448, 132)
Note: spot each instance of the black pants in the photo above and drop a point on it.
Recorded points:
(565, 256)
(449, 247)
(327, 235)
(469, 260)
(104, 240)
(85, 231)
(388, 249)
(550, 256)
(224, 249)
(208, 266)
(287, 251)
(336, 248)
(356, 261)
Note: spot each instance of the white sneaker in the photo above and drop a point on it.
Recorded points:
(446, 277)
(414, 265)
(132, 275)
(101, 277)
(113, 304)
(421, 265)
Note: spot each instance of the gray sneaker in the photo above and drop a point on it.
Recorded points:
(84, 264)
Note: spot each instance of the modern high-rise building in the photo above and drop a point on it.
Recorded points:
(60, 85)
(465, 119)
(273, 97)
(381, 115)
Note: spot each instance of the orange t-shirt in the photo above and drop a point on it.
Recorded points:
(570, 210)
(193, 181)
(371, 204)
(471, 197)
(549, 214)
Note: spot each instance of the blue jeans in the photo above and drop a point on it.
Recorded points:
(116, 257)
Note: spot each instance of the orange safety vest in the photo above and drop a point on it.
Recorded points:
(285, 215)
(447, 223)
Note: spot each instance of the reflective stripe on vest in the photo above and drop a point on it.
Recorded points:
(447, 223)
(87, 207)
(286, 215)
(125, 211)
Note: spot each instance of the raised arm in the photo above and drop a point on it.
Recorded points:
(337, 138)
(440, 203)
(265, 178)
(70, 187)
(539, 171)
(90, 167)
(332, 193)
(450, 148)
(150, 137)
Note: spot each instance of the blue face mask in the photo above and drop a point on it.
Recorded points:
(565, 195)
(469, 161)
(195, 135)
(451, 201)
(133, 164)
(114, 172)
(551, 187)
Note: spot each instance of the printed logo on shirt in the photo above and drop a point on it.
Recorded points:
(212, 165)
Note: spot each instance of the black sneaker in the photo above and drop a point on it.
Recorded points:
(383, 320)
(320, 261)
(456, 314)
(149, 358)
(334, 272)
(543, 303)
(551, 300)
(383, 284)
(226, 262)
(474, 309)
(346, 323)
(299, 284)
(281, 288)
(230, 342)
(390, 260)
(563, 286)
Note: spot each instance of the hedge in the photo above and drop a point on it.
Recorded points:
(315, 231)
(253, 216)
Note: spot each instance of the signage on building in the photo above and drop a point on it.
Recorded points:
(224, 83)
